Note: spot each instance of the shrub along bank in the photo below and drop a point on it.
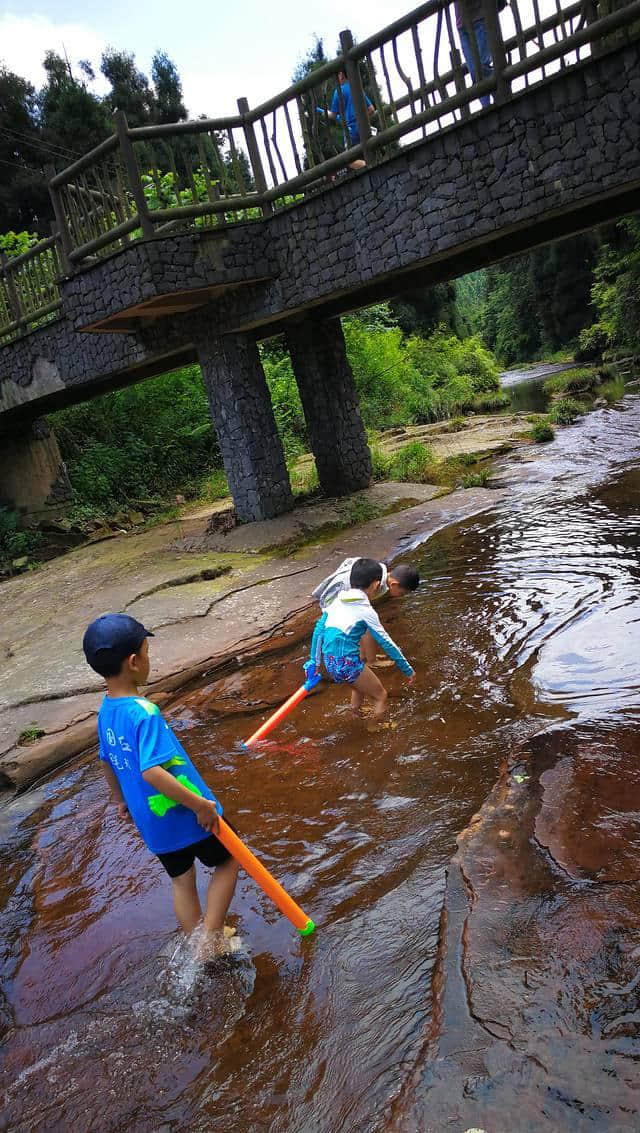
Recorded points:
(155, 439)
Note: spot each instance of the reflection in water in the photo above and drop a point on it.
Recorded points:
(393, 1017)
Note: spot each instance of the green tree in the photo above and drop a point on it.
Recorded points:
(24, 198)
(72, 119)
(616, 291)
(130, 90)
(538, 302)
(422, 309)
(168, 87)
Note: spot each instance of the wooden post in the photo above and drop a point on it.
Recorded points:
(14, 300)
(494, 34)
(64, 236)
(458, 78)
(254, 155)
(357, 93)
(133, 173)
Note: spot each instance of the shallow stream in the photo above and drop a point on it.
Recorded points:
(503, 996)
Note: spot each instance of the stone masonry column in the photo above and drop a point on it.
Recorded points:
(243, 417)
(33, 478)
(330, 402)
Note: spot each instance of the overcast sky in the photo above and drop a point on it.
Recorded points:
(248, 48)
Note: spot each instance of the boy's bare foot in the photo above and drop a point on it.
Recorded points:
(380, 725)
(357, 712)
(374, 726)
(219, 943)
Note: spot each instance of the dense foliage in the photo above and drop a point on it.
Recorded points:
(156, 438)
(583, 290)
(144, 441)
(539, 302)
(616, 292)
(65, 118)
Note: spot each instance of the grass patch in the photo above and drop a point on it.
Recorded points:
(542, 432)
(359, 510)
(490, 402)
(214, 487)
(478, 479)
(16, 542)
(578, 382)
(412, 464)
(455, 425)
(304, 479)
(31, 734)
(566, 411)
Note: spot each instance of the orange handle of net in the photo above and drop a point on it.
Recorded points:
(264, 879)
(279, 715)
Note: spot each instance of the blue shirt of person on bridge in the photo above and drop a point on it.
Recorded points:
(337, 106)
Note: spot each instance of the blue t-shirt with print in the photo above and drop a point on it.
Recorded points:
(133, 738)
(349, 109)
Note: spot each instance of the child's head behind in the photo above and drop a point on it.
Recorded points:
(366, 574)
(115, 646)
(402, 580)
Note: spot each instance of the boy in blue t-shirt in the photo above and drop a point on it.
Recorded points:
(152, 779)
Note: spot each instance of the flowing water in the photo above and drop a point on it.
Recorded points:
(494, 985)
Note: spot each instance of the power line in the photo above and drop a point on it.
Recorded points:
(30, 137)
(62, 151)
(43, 151)
(16, 165)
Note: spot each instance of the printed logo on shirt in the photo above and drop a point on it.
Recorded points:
(152, 709)
(111, 737)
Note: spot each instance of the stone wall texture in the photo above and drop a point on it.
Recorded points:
(327, 390)
(243, 417)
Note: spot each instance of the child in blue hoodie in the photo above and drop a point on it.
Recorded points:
(339, 632)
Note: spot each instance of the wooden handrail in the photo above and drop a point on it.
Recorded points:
(116, 190)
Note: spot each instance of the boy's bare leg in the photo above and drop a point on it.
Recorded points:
(186, 901)
(219, 894)
(369, 685)
(356, 702)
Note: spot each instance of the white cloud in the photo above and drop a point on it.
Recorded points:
(25, 39)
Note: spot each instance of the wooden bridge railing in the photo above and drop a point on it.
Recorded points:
(146, 181)
(29, 291)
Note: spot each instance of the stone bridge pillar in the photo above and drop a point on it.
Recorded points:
(33, 478)
(330, 402)
(243, 417)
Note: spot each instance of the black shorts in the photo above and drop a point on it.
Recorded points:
(209, 851)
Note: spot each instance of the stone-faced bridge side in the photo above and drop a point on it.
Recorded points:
(559, 157)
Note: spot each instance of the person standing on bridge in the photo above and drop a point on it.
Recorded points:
(470, 22)
(342, 100)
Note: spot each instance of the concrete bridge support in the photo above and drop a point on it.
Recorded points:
(243, 417)
(33, 478)
(327, 390)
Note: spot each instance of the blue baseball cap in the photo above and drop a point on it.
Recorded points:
(115, 636)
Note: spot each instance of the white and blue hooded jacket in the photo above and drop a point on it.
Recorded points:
(327, 591)
(339, 631)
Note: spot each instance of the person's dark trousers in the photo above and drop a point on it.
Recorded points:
(484, 51)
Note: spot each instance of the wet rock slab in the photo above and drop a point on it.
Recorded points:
(547, 1027)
